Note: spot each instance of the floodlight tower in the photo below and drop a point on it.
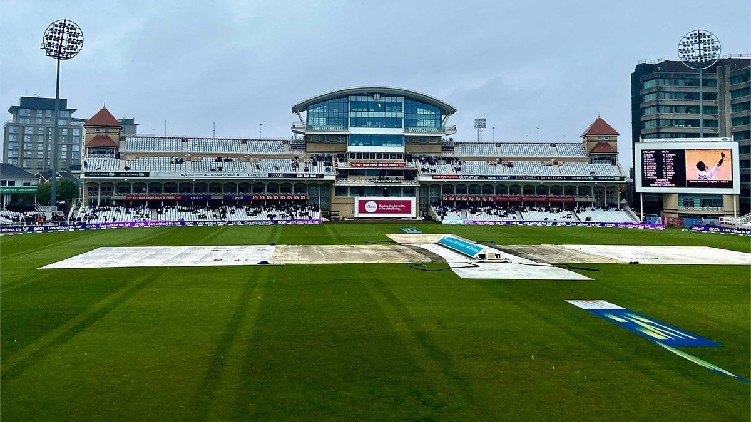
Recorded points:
(699, 49)
(480, 124)
(62, 40)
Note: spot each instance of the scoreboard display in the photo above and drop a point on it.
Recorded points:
(687, 167)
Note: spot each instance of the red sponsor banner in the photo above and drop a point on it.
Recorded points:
(147, 196)
(384, 207)
(444, 176)
(280, 197)
(495, 198)
(379, 164)
(204, 196)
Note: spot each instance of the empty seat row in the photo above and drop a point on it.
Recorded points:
(105, 163)
(150, 143)
(156, 164)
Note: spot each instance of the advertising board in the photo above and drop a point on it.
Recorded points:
(385, 207)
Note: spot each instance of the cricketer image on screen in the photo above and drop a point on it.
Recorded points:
(709, 167)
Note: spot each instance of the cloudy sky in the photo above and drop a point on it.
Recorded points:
(534, 69)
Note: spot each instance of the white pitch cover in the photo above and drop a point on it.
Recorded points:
(594, 304)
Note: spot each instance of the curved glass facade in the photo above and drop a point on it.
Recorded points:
(328, 115)
(422, 117)
(374, 111)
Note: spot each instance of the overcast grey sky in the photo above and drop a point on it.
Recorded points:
(521, 65)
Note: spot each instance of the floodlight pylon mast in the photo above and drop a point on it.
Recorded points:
(62, 40)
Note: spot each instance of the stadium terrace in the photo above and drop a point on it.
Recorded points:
(359, 153)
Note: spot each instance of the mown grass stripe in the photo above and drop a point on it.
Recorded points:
(15, 365)
(225, 369)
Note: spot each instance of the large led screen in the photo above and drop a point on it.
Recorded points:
(683, 167)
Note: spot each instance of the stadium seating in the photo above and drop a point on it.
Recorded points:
(570, 150)
(156, 164)
(276, 165)
(445, 213)
(604, 215)
(150, 144)
(11, 217)
(101, 162)
(237, 213)
(492, 213)
(476, 149)
(214, 145)
(588, 169)
(219, 164)
(203, 145)
(112, 214)
(268, 147)
(541, 214)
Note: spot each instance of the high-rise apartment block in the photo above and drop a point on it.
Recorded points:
(665, 104)
(27, 138)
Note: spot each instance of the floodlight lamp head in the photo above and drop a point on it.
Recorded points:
(62, 39)
(699, 49)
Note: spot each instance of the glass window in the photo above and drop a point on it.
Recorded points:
(422, 117)
(328, 115)
(376, 140)
(737, 93)
(739, 121)
(375, 121)
(741, 106)
(743, 77)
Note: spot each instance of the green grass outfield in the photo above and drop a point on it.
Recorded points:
(362, 342)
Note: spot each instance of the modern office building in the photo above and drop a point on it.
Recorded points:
(665, 104)
(130, 127)
(27, 138)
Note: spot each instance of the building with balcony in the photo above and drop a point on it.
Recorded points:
(27, 138)
(665, 104)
